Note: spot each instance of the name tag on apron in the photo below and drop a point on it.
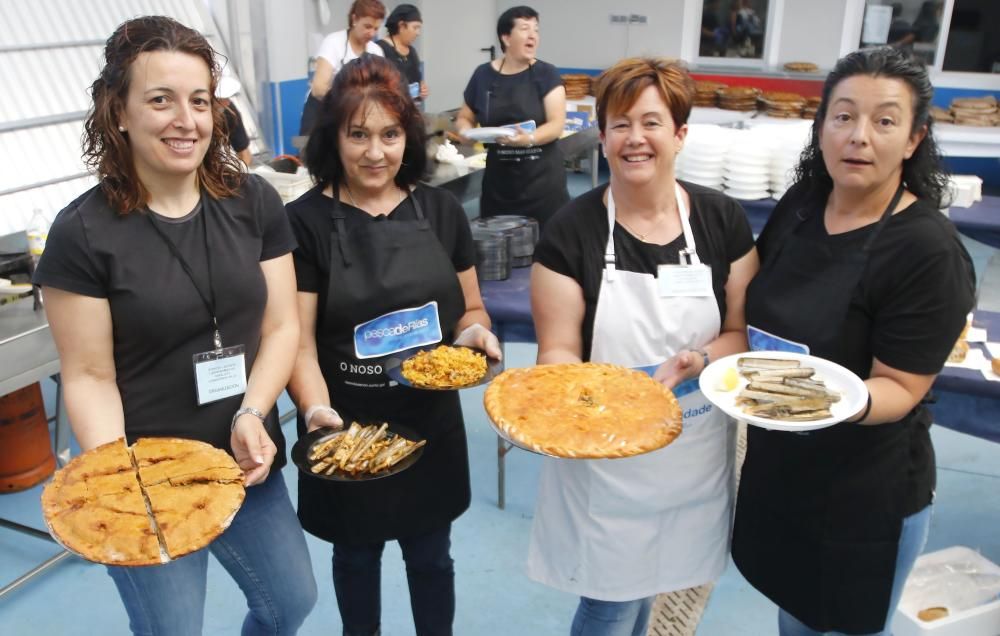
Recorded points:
(760, 340)
(414, 89)
(220, 374)
(684, 280)
(398, 331)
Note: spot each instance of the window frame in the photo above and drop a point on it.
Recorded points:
(691, 39)
(854, 14)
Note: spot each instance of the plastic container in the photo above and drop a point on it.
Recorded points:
(933, 583)
(26, 458)
(289, 186)
(37, 232)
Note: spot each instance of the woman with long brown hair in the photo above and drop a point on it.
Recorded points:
(176, 253)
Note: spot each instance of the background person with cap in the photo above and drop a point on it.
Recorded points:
(403, 25)
(363, 22)
(236, 132)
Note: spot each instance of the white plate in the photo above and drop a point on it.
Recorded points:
(853, 393)
(488, 134)
(743, 195)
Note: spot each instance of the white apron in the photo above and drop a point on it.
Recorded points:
(624, 529)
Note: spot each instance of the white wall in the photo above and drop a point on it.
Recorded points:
(579, 33)
(453, 33)
(811, 32)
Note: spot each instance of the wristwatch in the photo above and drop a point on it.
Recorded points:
(704, 358)
(246, 410)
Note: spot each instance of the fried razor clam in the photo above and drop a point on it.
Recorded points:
(778, 374)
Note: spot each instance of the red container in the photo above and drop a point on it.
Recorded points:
(26, 456)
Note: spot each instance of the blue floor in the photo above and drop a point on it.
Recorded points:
(489, 545)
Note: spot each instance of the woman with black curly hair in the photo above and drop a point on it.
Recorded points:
(859, 267)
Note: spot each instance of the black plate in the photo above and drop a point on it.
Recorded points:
(300, 454)
(394, 369)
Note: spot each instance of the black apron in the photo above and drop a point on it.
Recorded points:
(519, 180)
(819, 514)
(383, 266)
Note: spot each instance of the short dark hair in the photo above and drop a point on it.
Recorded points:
(923, 173)
(365, 80)
(505, 24)
(106, 150)
(402, 13)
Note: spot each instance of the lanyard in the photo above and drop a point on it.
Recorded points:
(209, 300)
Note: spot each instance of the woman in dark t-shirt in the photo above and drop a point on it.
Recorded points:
(858, 267)
(524, 173)
(404, 25)
(177, 253)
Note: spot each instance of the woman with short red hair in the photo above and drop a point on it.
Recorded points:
(607, 286)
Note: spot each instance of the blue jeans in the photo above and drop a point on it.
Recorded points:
(357, 576)
(912, 540)
(264, 550)
(612, 618)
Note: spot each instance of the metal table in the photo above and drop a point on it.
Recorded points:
(29, 355)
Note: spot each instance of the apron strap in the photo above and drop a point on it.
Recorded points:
(690, 249)
(885, 218)
(338, 222)
(419, 209)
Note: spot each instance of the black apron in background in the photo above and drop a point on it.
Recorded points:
(520, 180)
(819, 515)
(383, 266)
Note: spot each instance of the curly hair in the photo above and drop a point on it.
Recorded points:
(923, 173)
(369, 79)
(106, 149)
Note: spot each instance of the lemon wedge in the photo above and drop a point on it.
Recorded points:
(728, 380)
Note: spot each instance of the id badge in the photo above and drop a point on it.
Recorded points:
(414, 90)
(684, 280)
(219, 374)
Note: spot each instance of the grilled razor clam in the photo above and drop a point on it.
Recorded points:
(764, 396)
(808, 416)
(324, 448)
(778, 374)
(366, 444)
(786, 389)
(788, 410)
(831, 395)
(347, 445)
(766, 363)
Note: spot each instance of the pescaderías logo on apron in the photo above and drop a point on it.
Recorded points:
(398, 331)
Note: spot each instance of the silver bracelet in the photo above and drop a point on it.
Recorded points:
(246, 410)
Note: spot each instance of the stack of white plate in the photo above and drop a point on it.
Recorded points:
(790, 141)
(747, 169)
(703, 158)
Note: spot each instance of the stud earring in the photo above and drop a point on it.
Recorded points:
(121, 129)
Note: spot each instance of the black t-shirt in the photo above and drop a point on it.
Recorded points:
(486, 81)
(574, 242)
(311, 220)
(238, 137)
(159, 319)
(915, 294)
(408, 65)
